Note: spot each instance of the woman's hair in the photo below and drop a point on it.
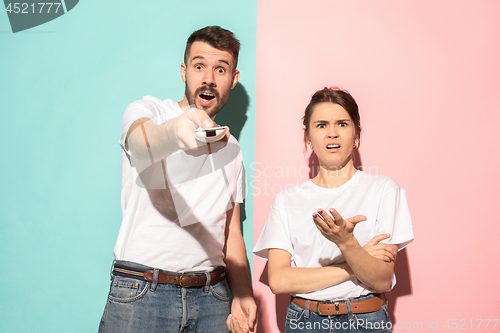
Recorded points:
(333, 95)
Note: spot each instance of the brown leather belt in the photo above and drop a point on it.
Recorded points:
(187, 280)
(339, 308)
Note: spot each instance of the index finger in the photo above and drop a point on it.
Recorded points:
(378, 238)
(336, 216)
(205, 120)
(199, 117)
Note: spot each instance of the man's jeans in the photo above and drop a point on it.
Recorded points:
(139, 306)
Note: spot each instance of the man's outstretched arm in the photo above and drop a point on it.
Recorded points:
(150, 142)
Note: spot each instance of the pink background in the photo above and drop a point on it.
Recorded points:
(426, 75)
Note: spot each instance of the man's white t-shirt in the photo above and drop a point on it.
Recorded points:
(174, 210)
(290, 225)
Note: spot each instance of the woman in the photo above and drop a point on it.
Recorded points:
(315, 233)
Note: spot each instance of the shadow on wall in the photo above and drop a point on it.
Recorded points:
(401, 269)
(282, 301)
(403, 285)
(234, 115)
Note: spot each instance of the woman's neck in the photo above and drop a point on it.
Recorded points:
(334, 177)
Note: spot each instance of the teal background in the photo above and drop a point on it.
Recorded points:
(63, 88)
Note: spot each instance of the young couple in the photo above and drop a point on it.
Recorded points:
(180, 244)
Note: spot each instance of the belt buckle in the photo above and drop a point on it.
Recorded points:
(337, 308)
(180, 280)
(183, 275)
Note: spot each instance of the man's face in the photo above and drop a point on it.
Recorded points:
(209, 76)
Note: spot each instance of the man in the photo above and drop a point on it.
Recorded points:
(180, 238)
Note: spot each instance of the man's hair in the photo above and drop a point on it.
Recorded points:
(216, 37)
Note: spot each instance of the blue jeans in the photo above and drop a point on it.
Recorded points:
(139, 306)
(301, 320)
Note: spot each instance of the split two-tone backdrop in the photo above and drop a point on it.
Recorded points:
(425, 74)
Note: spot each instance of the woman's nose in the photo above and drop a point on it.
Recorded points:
(332, 132)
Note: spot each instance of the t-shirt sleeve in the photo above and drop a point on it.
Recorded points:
(275, 234)
(394, 218)
(147, 107)
(135, 110)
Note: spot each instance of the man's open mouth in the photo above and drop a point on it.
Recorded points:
(206, 95)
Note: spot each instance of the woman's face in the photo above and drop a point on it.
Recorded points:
(332, 135)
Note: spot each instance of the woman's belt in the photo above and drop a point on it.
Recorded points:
(339, 307)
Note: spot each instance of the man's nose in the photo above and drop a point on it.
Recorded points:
(208, 78)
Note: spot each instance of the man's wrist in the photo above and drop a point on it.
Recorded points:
(242, 293)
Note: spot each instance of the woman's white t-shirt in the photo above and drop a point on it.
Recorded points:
(290, 225)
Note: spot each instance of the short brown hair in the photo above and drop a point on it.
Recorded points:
(333, 95)
(216, 37)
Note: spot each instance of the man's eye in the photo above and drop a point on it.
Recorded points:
(221, 70)
(199, 67)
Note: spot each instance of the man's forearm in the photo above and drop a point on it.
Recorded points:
(237, 268)
(235, 256)
(150, 142)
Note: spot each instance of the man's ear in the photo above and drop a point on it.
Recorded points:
(236, 77)
(183, 72)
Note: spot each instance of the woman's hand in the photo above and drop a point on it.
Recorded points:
(380, 250)
(368, 269)
(336, 229)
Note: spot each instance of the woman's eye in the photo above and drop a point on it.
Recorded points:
(321, 125)
(343, 124)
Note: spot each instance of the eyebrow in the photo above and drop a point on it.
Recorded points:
(203, 58)
(338, 121)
